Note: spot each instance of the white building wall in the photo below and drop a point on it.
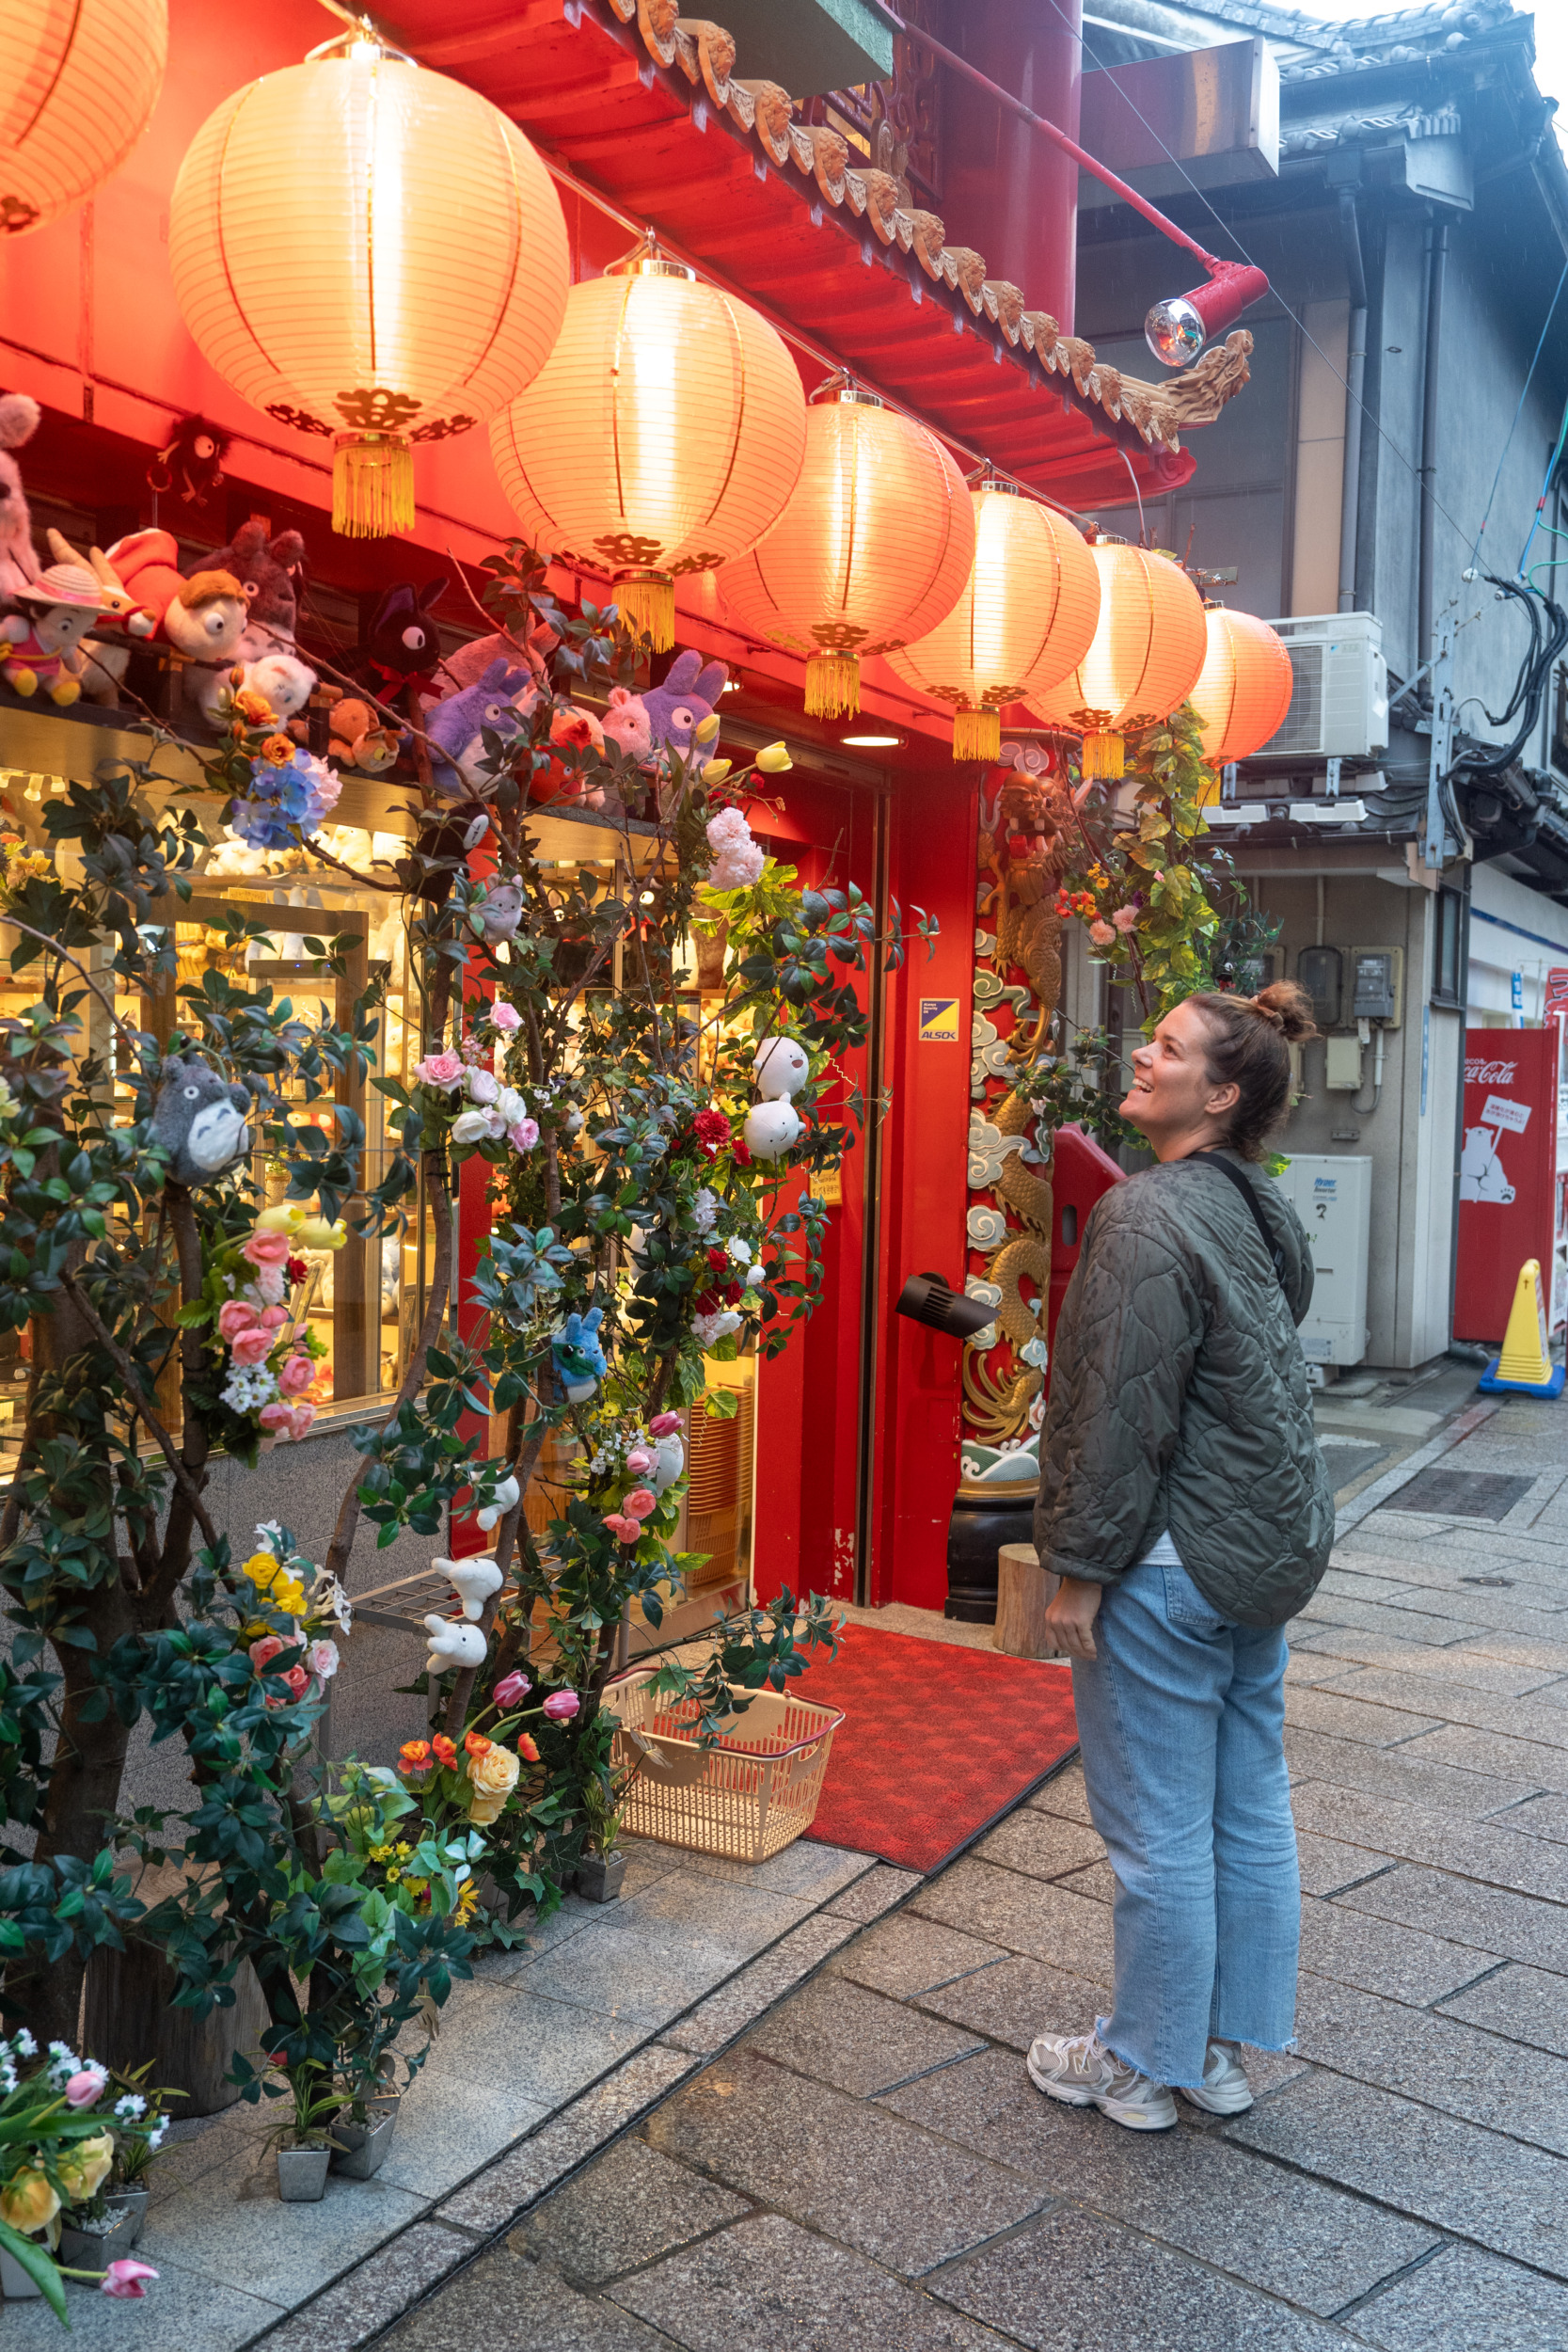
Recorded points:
(1512, 929)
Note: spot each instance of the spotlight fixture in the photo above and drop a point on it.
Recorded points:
(1177, 327)
(930, 1299)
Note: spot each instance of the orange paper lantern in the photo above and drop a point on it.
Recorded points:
(1147, 649)
(872, 549)
(662, 436)
(1026, 615)
(1244, 686)
(81, 78)
(371, 253)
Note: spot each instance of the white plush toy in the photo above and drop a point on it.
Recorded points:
(285, 683)
(508, 1494)
(452, 1645)
(780, 1067)
(770, 1129)
(668, 1462)
(473, 1581)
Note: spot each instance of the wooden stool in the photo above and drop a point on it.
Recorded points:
(1023, 1592)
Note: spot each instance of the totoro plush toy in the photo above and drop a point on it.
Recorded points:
(199, 1120)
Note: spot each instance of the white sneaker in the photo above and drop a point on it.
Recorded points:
(1224, 2088)
(1078, 2069)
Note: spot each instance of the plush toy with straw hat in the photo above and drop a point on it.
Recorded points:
(42, 640)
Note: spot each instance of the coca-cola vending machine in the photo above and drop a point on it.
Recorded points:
(1509, 1205)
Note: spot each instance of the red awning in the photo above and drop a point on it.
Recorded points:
(647, 112)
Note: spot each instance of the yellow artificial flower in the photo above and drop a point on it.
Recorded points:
(494, 1775)
(288, 1594)
(706, 729)
(285, 1217)
(773, 760)
(263, 1571)
(29, 2203)
(85, 2168)
(715, 771)
(316, 1233)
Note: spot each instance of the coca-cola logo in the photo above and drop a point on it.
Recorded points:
(1489, 1074)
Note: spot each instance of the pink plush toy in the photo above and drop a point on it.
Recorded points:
(628, 723)
(42, 640)
(19, 565)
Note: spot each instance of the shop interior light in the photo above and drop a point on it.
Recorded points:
(871, 742)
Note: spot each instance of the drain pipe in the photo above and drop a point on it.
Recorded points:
(1437, 254)
(1356, 372)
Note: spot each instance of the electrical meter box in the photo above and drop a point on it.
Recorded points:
(1332, 1194)
(1320, 972)
(1377, 985)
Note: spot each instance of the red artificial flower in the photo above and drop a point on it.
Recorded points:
(740, 1151)
(414, 1755)
(297, 1269)
(445, 1753)
(477, 1744)
(711, 1133)
(709, 1302)
(730, 1294)
(528, 1748)
(719, 1260)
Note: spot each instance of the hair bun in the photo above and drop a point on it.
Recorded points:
(1287, 1007)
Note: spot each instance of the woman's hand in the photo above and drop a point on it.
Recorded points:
(1069, 1617)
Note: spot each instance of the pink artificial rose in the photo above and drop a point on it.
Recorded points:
(624, 1530)
(262, 1653)
(1125, 917)
(562, 1705)
(1101, 934)
(124, 2279)
(300, 1418)
(640, 1501)
(505, 1017)
(664, 1424)
(512, 1686)
(271, 1317)
(252, 1347)
(83, 2088)
(298, 1680)
(264, 1249)
(482, 1087)
(276, 1415)
(439, 1069)
(524, 1136)
(321, 1659)
(638, 1459)
(234, 1318)
(297, 1376)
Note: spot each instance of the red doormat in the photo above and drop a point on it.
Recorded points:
(937, 1741)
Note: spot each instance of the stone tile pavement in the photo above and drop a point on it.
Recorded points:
(864, 2166)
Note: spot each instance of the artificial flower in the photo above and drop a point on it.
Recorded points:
(511, 1688)
(524, 1136)
(28, 2202)
(511, 1107)
(252, 704)
(318, 1234)
(262, 1653)
(719, 1261)
(298, 1680)
(638, 1459)
(265, 1248)
(505, 1017)
(715, 771)
(84, 2088)
(445, 1753)
(296, 1270)
(528, 1747)
(84, 2169)
(1101, 934)
(475, 1127)
(739, 1250)
(273, 1318)
(295, 1375)
(640, 1501)
(706, 729)
(664, 1424)
(476, 1743)
(124, 2279)
(773, 760)
(235, 1317)
(1124, 918)
(562, 1705)
(625, 1531)
(494, 1775)
(414, 1755)
(710, 1132)
(482, 1086)
(285, 1216)
(252, 1346)
(277, 751)
(323, 1659)
(439, 1069)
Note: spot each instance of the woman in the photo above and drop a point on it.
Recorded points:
(1186, 1506)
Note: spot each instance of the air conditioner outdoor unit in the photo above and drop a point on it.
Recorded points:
(1339, 706)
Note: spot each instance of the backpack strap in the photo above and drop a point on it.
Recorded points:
(1216, 1159)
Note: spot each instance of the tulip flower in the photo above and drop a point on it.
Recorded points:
(773, 760)
(562, 1705)
(706, 729)
(511, 1688)
(664, 1424)
(124, 2279)
(445, 1753)
(715, 771)
(528, 1748)
(83, 2088)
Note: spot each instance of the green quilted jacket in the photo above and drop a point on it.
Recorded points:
(1178, 1398)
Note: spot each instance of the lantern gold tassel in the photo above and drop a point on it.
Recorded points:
(832, 686)
(1103, 755)
(646, 603)
(977, 733)
(372, 485)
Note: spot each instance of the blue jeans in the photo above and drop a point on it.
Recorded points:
(1181, 1721)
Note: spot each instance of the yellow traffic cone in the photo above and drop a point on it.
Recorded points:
(1526, 1362)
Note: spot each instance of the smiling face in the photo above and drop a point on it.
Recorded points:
(1173, 1101)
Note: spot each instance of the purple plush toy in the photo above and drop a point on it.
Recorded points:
(689, 695)
(500, 700)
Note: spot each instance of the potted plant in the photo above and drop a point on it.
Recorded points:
(603, 1798)
(304, 2140)
(111, 2223)
(60, 2124)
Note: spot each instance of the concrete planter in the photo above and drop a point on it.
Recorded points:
(361, 2149)
(302, 2174)
(95, 2249)
(600, 1877)
(15, 2285)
